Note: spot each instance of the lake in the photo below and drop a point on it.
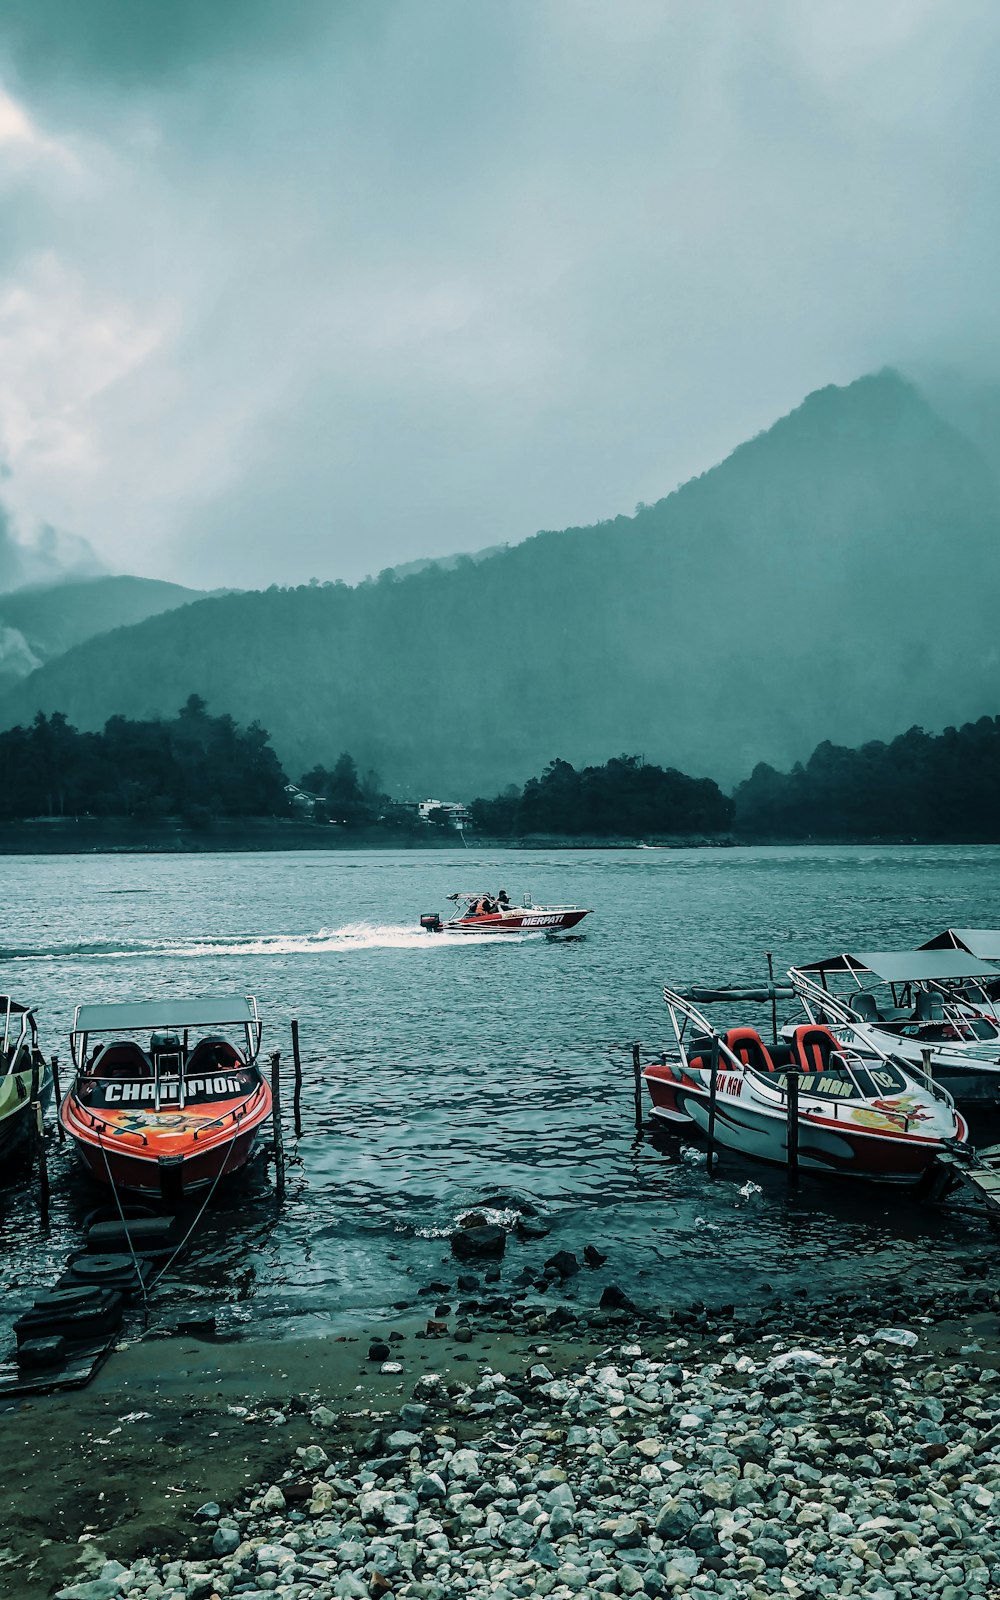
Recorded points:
(445, 1073)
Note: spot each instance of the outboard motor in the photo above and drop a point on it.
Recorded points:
(430, 922)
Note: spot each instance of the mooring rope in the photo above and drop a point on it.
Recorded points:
(200, 1213)
(128, 1237)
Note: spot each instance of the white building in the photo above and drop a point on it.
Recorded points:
(458, 815)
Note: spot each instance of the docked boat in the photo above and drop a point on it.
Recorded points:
(489, 914)
(164, 1103)
(864, 1118)
(22, 1065)
(932, 1009)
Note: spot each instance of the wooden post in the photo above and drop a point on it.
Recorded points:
(57, 1089)
(713, 1094)
(637, 1076)
(279, 1148)
(774, 1002)
(297, 1096)
(925, 1056)
(792, 1103)
(37, 1116)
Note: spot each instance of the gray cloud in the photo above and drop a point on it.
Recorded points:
(133, 43)
(318, 289)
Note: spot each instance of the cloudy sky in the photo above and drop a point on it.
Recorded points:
(310, 287)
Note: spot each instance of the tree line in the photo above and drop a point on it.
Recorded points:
(626, 797)
(195, 766)
(920, 786)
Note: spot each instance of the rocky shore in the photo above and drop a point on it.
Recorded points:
(835, 1448)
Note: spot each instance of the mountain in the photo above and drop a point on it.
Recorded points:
(42, 621)
(834, 578)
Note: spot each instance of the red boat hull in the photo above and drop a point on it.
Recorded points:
(183, 1150)
(538, 920)
(826, 1143)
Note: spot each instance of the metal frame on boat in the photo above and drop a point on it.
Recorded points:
(503, 917)
(20, 1060)
(876, 1119)
(175, 1116)
(934, 1008)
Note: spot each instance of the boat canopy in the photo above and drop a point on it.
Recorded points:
(981, 942)
(140, 1016)
(909, 966)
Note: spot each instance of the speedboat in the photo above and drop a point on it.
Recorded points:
(931, 1009)
(174, 1110)
(484, 913)
(856, 1117)
(22, 1066)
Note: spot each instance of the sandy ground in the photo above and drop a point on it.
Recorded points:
(123, 1464)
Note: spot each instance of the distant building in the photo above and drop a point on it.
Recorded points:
(458, 815)
(301, 802)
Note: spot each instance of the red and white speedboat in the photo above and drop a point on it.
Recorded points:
(485, 913)
(172, 1114)
(869, 1118)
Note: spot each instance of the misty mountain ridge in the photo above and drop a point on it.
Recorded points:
(40, 621)
(833, 578)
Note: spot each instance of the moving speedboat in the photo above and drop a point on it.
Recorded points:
(21, 1065)
(495, 914)
(932, 1009)
(172, 1114)
(856, 1117)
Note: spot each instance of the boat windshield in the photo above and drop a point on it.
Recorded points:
(848, 1078)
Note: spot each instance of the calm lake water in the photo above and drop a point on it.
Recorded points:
(444, 1073)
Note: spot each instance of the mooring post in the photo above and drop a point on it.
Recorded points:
(297, 1095)
(774, 1002)
(279, 1148)
(713, 1093)
(37, 1116)
(57, 1090)
(637, 1077)
(925, 1056)
(792, 1103)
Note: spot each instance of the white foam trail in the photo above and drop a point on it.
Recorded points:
(328, 941)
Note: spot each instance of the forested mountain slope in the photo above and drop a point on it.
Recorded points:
(835, 577)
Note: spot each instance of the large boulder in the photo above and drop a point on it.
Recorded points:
(485, 1239)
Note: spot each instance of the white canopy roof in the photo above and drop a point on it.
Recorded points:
(909, 966)
(140, 1016)
(981, 942)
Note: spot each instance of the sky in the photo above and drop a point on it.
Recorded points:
(308, 288)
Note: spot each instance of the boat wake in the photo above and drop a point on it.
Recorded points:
(352, 936)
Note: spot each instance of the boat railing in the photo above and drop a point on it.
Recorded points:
(231, 1114)
(820, 1004)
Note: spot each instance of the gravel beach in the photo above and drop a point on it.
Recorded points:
(840, 1447)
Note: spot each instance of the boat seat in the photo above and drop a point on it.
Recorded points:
(210, 1056)
(748, 1046)
(813, 1046)
(928, 1007)
(865, 1008)
(123, 1059)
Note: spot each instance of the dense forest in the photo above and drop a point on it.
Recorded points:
(195, 766)
(797, 586)
(627, 798)
(921, 787)
(934, 788)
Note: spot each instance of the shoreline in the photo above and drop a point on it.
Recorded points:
(117, 1472)
(113, 836)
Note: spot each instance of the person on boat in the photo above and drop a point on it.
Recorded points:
(488, 908)
(503, 904)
